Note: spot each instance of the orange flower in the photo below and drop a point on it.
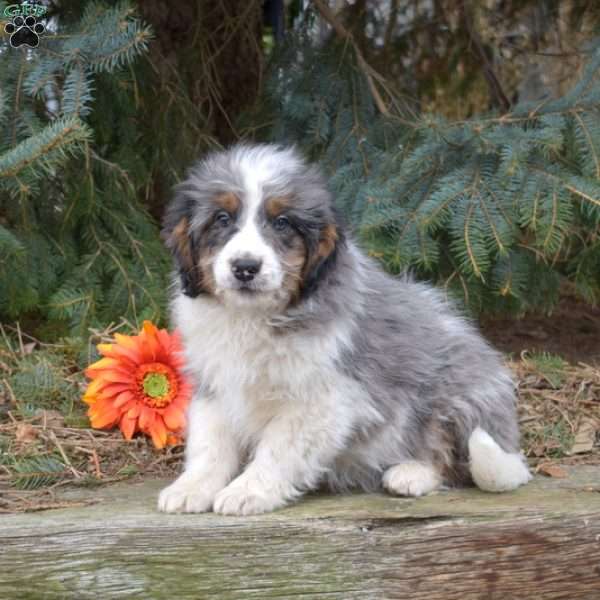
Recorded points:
(138, 385)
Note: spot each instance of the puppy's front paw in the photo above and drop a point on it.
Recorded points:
(411, 478)
(239, 500)
(185, 495)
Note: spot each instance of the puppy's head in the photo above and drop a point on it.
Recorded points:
(253, 226)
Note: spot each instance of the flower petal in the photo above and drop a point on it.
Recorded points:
(90, 399)
(158, 431)
(127, 341)
(104, 363)
(94, 387)
(165, 340)
(134, 411)
(174, 417)
(128, 426)
(101, 405)
(104, 419)
(117, 376)
(151, 349)
(102, 348)
(122, 399)
(172, 348)
(114, 389)
(149, 328)
(121, 353)
(146, 418)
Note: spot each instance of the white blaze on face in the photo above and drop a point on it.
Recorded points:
(248, 242)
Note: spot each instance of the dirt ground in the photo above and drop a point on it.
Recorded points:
(572, 331)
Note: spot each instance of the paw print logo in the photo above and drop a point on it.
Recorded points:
(24, 31)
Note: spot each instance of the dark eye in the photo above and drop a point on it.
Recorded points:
(281, 223)
(223, 218)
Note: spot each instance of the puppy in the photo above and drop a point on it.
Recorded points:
(311, 365)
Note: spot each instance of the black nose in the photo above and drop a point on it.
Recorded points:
(245, 269)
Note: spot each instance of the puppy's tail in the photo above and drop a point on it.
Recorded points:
(493, 469)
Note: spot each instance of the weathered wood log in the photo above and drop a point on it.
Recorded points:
(539, 542)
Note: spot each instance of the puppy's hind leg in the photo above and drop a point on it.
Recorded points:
(411, 478)
(492, 468)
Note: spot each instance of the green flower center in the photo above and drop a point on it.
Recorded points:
(156, 385)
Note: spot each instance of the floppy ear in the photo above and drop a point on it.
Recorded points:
(321, 257)
(179, 239)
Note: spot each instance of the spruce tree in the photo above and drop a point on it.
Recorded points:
(76, 245)
(499, 208)
(497, 201)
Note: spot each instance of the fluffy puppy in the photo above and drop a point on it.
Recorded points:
(311, 365)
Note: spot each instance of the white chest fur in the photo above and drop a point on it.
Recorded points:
(255, 372)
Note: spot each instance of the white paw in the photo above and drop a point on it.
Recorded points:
(411, 479)
(185, 495)
(239, 500)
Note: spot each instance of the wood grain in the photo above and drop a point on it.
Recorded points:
(541, 542)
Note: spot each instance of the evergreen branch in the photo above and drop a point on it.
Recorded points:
(120, 50)
(440, 207)
(590, 141)
(583, 195)
(77, 92)
(491, 224)
(45, 149)
(37, 471)
(135, 244)
(96, 12)
(571, 187)
(9, 243)
(412, 217)
(468, 243)
(42, 74)
(66, 304)
(498, 203)
(456, 273)
(553, 219)
(532, 218)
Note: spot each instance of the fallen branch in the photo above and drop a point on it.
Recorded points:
(367, 70)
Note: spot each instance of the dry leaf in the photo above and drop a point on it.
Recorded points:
(25, 433)
(539, 450)
(584, 438)
(552, 470)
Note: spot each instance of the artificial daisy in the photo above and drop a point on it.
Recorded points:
(139, 385)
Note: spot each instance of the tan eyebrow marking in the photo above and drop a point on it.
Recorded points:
(228, 201)
(276, 205)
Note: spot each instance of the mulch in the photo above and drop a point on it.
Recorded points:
(91, 458)
(559, 413)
